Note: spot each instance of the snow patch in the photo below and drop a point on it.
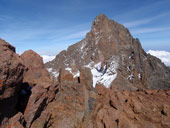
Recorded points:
(130, 77)
(54, 73)
(128, 69)
(69, 69)
(106, 75)
(139, 76)
(130, 57)
(49, 69)
(84, 43)
(75, 74)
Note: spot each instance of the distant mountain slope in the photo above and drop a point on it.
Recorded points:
(114, 57)
(162, 55)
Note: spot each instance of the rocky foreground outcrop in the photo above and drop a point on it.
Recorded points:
(25, 87)
(131, 109)
(104, 81)
(12, 72)
(36, 69)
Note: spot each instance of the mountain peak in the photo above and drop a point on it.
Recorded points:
(101, 21)
(114, 57)
(101, 17)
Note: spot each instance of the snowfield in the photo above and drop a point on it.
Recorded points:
(105, 76)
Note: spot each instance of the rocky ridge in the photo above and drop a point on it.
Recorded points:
(114, 57)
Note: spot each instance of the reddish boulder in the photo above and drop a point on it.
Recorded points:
(43, 120)
(11, 76)
(65, 76)
(16, 121)
(37, 73)
(36, 104)
(86, 78)
(38, 101)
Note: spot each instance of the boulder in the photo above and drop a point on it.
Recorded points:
(37, 73)
(16, 121)
(35, 105)
(86, 78)
(12, 71)
(65, 76)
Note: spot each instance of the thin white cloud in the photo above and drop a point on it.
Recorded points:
(77, 34)
(135, 23)
(134, 12)
(46, 33)
(162, 55)
(149, 30)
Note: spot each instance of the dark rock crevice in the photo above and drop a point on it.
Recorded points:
(23, 97)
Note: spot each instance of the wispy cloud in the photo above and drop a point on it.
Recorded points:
(76, 34)
(149, 30)
(143, 10)
(46, 37)
(143, 21)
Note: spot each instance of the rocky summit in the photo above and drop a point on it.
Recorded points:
(104, 81)
(114, 57)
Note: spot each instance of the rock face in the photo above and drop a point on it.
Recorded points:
(131, 109)
(25, 87)
(11, 75)
(37, 73)
(111, 52)
(72, 107)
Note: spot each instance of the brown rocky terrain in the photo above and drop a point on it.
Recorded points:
(131, 109)
(104, 81)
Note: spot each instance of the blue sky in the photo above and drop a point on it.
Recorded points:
(49, 26)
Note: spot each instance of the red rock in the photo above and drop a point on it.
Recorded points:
(36, 104)
(16, 121)
(65, 76)
(37, 73)
(42, 121)
(11, 76)
(134, 109)
(86, 78)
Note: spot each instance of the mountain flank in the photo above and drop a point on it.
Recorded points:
(114, 57)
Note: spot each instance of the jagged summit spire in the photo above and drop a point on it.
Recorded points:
(103, 25)
(100, 19)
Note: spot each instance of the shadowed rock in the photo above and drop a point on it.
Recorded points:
(11, 75)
